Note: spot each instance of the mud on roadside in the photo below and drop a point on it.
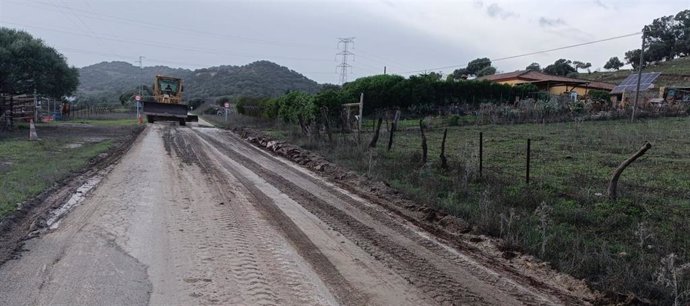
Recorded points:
(452, 230)
(31, 215)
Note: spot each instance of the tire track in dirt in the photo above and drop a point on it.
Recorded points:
(262, 269)
(427, 266)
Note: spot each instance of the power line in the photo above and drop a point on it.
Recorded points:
(567, 47)
(532, 53)
(224, 37)
(166, 46)
(345, 53)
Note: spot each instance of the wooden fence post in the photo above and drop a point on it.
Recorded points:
(424, 146)
(444, 160)
(481, 153)
(375, 138)
(528, 158)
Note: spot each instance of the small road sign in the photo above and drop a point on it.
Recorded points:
(227, 105)
(138, 98)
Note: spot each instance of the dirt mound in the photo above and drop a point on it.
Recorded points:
(455, 231)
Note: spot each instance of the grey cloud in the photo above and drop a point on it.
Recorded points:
(550, 22)
(478, 4)
(496, 11)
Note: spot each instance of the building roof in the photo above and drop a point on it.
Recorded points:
(540, 77)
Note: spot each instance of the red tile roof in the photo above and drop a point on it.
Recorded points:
(537, 77)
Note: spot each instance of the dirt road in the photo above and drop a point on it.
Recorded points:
(195, 215)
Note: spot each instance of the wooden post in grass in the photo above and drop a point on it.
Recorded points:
(375, 138)
(327, 124)
(394, 126)
(481, 152)
(528, 157)
(613, 184)
(424, 147)
(444, 161)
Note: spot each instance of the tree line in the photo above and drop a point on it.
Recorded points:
(417, 95)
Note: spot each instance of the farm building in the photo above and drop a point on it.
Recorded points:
(656, 89)
(556, 85)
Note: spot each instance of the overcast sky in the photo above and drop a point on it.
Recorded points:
(408, 37)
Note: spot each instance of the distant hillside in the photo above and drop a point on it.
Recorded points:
(679, 66)
(121, 76)
(108, 80)
(258, 79)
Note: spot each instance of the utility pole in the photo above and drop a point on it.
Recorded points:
(141, 90)
(141, 61)
(639, 78)
(345, 53)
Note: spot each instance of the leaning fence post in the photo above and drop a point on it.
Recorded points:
(481, 153)
(528, 157)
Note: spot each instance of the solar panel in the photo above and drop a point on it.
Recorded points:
(630, 83)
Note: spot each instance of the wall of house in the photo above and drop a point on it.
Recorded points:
(557, 90)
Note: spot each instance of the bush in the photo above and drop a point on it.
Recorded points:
(453, 120)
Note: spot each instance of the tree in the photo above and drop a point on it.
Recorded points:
(632, 57)
(477, 67)
(683, 32)
(128, 96)
(28, 65)
(459, 74)
(489, 70)
(613, 63)
(582, 65)
(474, 66)
(433, 75)
(560, 67)
(667, 37)
(533, 67)
(661, 38)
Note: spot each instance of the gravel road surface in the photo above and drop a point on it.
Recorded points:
(197, 216)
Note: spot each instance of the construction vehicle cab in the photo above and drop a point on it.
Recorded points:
(168, 105)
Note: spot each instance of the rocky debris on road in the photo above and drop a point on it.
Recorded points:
(450, 228)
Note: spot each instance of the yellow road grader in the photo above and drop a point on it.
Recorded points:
(168, 105)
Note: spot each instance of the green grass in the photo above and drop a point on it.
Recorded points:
(588, 235)
(30, 167)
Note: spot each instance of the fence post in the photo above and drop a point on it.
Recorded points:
(481, 153)
(528, 157)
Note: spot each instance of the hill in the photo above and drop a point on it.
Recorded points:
(679, 66)
(107, 80)
(258, 79)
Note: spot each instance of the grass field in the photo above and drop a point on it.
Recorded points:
(29, 167)
(563, 216)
